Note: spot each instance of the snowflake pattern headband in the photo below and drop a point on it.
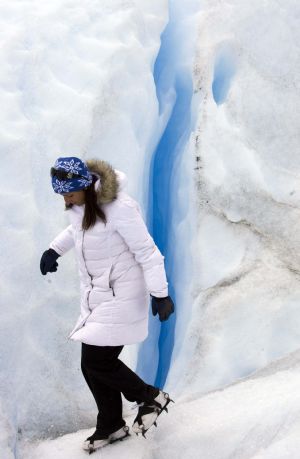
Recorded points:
(70, 174)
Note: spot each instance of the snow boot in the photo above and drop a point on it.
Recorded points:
(149, 412)
(98, 440)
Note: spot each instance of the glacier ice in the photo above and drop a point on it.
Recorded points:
(80, 79)
(245, 285)
(75, 79)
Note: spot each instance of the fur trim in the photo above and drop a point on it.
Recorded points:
(108, 189)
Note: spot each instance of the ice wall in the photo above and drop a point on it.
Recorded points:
(245, 287)
(76, 79)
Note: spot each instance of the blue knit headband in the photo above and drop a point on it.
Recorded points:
(72, 175)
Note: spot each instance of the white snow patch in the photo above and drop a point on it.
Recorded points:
(253, 419)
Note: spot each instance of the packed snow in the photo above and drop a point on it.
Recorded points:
(258, 418)
(98, 79)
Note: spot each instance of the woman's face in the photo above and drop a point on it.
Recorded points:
(76, 198)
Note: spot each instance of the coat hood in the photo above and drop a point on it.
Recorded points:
(111, 180)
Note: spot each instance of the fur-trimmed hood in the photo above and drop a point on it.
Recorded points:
(111, 180)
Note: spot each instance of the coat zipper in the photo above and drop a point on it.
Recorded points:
(86, 266)
(83, 233)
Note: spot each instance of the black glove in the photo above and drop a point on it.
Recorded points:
(48, 262)
(163, 306)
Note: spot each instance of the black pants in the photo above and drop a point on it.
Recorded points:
(107, 377)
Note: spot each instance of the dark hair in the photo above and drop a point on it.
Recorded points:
(92, 209)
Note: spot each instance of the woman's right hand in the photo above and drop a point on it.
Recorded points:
(48, 263)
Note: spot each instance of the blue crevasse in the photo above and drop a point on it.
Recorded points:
(174, 89)
(224, 71)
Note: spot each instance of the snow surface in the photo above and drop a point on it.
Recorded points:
(80, 79)
(258, 418)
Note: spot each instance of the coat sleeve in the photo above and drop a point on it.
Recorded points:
(64, 241)
(129, 223)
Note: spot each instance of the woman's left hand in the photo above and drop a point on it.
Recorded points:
(163, 306)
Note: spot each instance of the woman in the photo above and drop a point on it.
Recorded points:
(119, 266)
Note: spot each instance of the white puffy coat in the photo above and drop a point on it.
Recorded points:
(119, 265)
